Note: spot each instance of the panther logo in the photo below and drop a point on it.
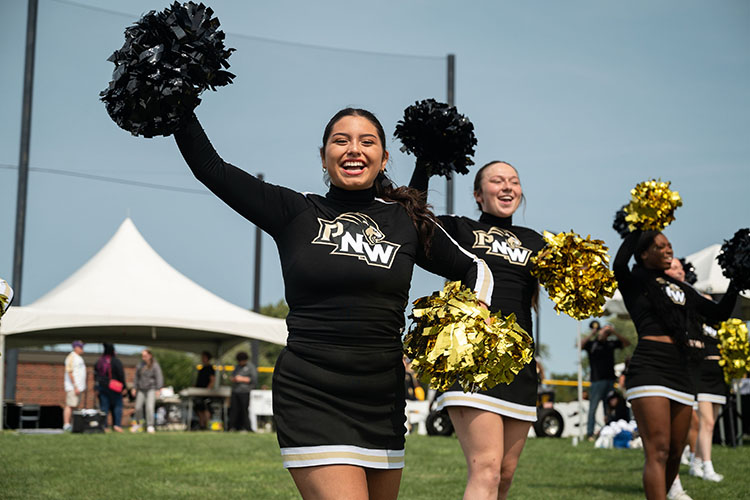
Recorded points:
(357, 235)
(674, 292)
(502, 243)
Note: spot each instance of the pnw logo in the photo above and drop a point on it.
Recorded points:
(357, 235)
(503, 244)
(674, 292)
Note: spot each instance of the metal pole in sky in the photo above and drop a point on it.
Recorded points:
(254, 344)
(451, 102)
(23, 162)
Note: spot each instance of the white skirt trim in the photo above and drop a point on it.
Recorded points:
(712, 398)
(487, 403)
(644, 391)
(311, 456)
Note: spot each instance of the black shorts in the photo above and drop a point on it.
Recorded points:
(340, 405)
(515, 400)
(659, 369)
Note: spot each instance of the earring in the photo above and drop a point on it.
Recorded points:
(324, 170)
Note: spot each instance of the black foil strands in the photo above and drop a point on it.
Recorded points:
(442, 139)
(168, 59)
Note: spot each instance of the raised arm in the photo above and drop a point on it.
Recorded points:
(449, 260)
(624, 253)
(717, 311)
(269, 207)
(419, 178)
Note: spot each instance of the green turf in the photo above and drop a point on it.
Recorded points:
(229, 465)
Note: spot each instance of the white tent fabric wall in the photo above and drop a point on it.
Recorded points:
(128, 294)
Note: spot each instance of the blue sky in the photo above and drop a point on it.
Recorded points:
(586, 98)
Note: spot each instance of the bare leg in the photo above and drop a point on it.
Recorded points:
(693, 432)
(680, 416)
(652, 415)
(481, 436)
(707, 412)
(332, 482)
(514, 439)
(383, 484)
(67, 415)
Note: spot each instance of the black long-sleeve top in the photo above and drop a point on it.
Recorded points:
(633, 287)
(506, 248)
(347, 257)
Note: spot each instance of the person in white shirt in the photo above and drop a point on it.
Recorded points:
(75, 382)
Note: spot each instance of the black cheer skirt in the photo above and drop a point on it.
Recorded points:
(515, 400)
(711, 385)
(659, 369)
(340, 405)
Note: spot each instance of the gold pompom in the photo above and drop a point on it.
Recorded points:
(6, 296)
(734, 349)
(652, 205)
(452, 339)
(575, 272)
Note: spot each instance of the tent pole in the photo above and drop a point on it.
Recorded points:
(220, 371)
(580, 388)
(2, 379)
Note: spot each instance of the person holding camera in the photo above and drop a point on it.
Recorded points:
(601, 350)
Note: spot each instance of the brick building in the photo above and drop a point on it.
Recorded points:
(40, 374)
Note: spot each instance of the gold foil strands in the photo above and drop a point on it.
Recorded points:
(575, 272)
(651, 206)
(6, 296)
(452, 339)
(734, 349)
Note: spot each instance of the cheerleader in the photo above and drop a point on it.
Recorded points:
(492, 425)
(347, 260)
(711, 392)
(660, 388)
(712, 395)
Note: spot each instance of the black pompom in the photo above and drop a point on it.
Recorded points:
(620, 224)
(442, 139)
(689, 269)
(167, 60)
(734, 259)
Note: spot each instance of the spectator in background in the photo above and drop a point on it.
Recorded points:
(206, 377)
(75, 382)
(244, 379)
(107, 368)
(601, 351)
(148, 383)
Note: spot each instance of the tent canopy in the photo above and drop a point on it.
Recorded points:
(128, 294)
(710, 278)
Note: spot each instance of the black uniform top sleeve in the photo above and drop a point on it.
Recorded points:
(622, 258)
(448, 259)
(419, 178)
(268, 206)
(714, 311)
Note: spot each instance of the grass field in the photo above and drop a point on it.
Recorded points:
(229, 465)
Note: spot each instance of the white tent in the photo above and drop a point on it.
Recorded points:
(128, 294)
(710, 278)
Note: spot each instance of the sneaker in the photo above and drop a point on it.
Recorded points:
(679, 495)
(67, 428)
(712, 476)
(135, 428)
(696, 468)
(685, 459)
(150, 429)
